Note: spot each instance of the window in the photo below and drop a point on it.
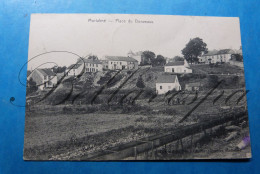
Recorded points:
(120, 63)
(96, 65)
(45, 77)
(160, 87)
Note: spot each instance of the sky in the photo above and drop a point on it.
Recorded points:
(84, 34)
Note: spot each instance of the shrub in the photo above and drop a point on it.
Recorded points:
(129, 72)
(148, 92)
(212, 80)
(169, 111)
(80, 110)
(140, 82)
(91, 109)
(67, 110)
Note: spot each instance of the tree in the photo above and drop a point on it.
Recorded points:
(194, 49)
(140, 82)
(93, 57)
(212, 80)
(147, 58)
(31, 86)
(178, 58)
(159, 61)
(238, 57)
(58, 69)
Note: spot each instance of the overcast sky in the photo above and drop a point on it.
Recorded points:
(167, 35)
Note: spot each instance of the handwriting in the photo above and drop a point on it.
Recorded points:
(169, 97)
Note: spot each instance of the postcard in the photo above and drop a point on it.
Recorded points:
(104, 87)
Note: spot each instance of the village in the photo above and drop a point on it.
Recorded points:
(120, 99)
(170, 69)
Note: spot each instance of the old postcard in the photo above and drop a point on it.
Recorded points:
(135, 87)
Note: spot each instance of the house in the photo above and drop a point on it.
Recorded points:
(90, 66)
(165, 83)
(121, 63)
(104, 64)
(137, 55)
(44, 78)
(216, 56)
(193, 86)
(179, 67)
(74, 69)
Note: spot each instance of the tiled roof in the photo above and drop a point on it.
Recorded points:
(74, 66)
(46, 72)
(120, 58)
(175, 63)
(226, 51)
(215, 52)
(211, 53)
(89, 61)
(193, 84)
(166, 79)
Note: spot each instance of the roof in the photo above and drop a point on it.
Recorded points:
(226, 51)
(166, 79)
(215, 52)
(120, 58)
(193, 84)
(89, 61)
(175, 63)
(46, 72)
(211, 53)
(74, 66)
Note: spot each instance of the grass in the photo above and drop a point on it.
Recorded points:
(221, 68)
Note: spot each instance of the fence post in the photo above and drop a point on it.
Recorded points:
(181, 145)
(191, 144)
(135, 152)
(152, 151)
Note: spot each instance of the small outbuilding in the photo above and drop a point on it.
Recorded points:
(193, 86)
(165, 83)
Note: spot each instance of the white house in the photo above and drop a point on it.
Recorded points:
(121, 63)
(44, 78)
(137, 55)
(216, 56)
(167, 83)
(179, 67)
(74, 69)
(90, 66)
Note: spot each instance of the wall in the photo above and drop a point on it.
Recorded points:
(167, 87)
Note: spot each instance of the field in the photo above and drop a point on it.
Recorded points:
(76, 127)
(219, 69)
(51, 133)
(100, 130)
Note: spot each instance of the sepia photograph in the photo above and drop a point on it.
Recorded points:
(109, 87)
